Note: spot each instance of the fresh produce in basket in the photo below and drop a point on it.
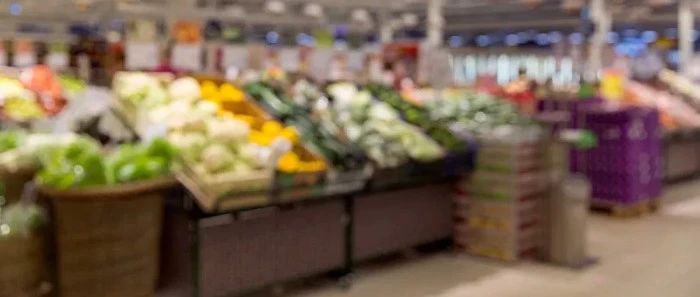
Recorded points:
(21, 219)
(82, 163)
(25, 152)
(378, 129)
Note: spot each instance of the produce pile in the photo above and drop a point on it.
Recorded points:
(206, 123)
(70, 160)
(378, 128)
(469, 112)
(35, 94)
(317, 130)
(419, 116)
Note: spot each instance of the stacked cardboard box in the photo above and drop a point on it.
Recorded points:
(499, 207)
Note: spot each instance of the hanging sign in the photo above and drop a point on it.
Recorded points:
(235, 56)
(25, 55)
(187, 57)
(289, 59)
(3, 56)
(58, 58)
(141, 55)
(319, 63)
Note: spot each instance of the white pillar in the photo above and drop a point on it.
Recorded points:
(435, 23)
(602, 17)
(686, 20)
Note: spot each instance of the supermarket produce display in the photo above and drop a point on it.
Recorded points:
(353, 159)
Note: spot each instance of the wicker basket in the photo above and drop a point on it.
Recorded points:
(23, 268)
(107, 238)
(14, 182)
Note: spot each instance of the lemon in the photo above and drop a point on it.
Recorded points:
(290, 134)
(289, 162)
(272, 128)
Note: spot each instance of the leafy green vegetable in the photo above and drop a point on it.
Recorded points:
(140, 162)
(78, 164)
(82, 164)
(10, 139)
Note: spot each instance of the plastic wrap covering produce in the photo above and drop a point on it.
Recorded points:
(378, 128)
(22, 250)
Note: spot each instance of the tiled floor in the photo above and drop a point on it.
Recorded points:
(655, 256)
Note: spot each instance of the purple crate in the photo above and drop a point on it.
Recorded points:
(626, 166)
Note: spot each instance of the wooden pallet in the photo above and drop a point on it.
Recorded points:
(638, 209)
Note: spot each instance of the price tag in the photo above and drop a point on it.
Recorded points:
(235, 56)
(141, 55)
(356, 60)
(319, 63)
(187, 57)
(57, 60)
(24, 59)
(289, 59)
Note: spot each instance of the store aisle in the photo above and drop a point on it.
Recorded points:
(649, 257)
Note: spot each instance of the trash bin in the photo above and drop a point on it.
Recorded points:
(569, 211)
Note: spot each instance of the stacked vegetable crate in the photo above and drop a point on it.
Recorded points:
(498, 208)
(625, 169)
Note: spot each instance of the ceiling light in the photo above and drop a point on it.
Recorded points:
(360, 15)
(275, 6)
(409, 19)
(236, 11)
(313, 10)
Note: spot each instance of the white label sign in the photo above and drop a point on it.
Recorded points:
(289, 58)
(24, 59)
(3, 58)
(141, 55)
(320, 63)
(235, 56)
(57, 60)
(187, 57)
(356, 60)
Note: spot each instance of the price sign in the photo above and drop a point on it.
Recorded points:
(356, 60)
(187, 57)
(57, 60)
(235, 56)
(289, 58)
(319, 63)
(3, 57)
(141, 55)
(24, 59)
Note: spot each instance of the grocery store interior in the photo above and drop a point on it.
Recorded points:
(333, 148)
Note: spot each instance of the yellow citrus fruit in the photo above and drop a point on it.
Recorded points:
(290, 134)
(289, 162)
(272, 128)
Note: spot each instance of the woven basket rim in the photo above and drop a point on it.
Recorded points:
(21, 171)
(111, 192)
